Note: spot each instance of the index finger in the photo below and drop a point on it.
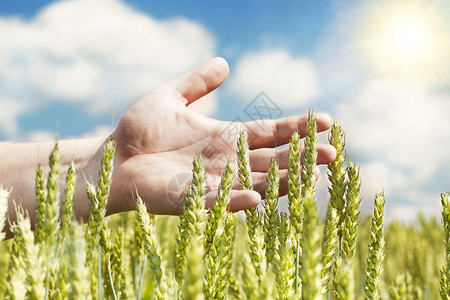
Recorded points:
(272, 133)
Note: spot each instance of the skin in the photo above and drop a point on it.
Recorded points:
(156, 141)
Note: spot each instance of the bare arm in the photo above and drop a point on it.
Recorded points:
(20, 160)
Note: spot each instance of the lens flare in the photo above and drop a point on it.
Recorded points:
(408, 38)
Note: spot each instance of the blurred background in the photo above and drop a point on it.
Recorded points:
(380, 68)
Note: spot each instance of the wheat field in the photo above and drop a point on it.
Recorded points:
(262, 254)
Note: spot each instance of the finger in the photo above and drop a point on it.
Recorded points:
(202, 80)
(239, 199)
(260, 158)
(271, 133)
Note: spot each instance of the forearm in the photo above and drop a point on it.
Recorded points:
(18, 171)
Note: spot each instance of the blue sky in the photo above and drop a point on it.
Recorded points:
(381, 68)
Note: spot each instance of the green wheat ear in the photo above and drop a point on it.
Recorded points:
(337, 173)
(151, 248)
(192, 221)
(52, 206)
(271, 215)
(253, 217)
(351, 215)
(79, 279)
(286, 262)
(312, 267)
(193, 277)
(68, 202)
(294, 184)
(295, 199)
(309, 166)
(41, 199)
(4, 196)
(217, 216)
(376, 250)
(445, 271)
(329, 247)
(216, 237)
(336, 205)
(344, 283)
(98, 198)
(29, 255)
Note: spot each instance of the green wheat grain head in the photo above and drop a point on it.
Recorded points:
(337, 172)
(312, 254)
(217, 216)
(310, 158)
(52, 205)
(445, 271)
(294, 185)
(351, 216)
(29, 254)
(254, 219)
(286, 260)
(271, 214)
(193, 277)
(329, 246)
(41, 199)
(376, 250)
(344, 282)
(152, 249)
(4, 196)
(68, 202)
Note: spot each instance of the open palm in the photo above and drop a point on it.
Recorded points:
(159, 136)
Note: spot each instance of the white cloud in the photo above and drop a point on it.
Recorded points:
(101, 130)
(41, 136)
(96, 53)
(288, 80)
(9, 111)
(401, 129)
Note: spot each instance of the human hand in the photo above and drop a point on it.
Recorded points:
(159, 136)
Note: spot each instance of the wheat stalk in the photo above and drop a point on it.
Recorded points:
(68, 202)
(445, 271)
(52, 205)
(353, 200)
(344, 286)
(337, 173)
(271, 215)
(253, 217)
(192, 221)
(193, 277)
(79, 272)
(294, 185)
(16, 288)
(29, 253)
(117, 262)
(215, 237)
(41, 198)
(295, 198)
(376, 250)
(98, 197)
(310, 158)
(151, 248)
(286, 261)
(217, 216)
(312, 267)
(4, 196)
(330, 239)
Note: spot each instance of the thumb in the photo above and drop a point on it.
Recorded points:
(202, 80)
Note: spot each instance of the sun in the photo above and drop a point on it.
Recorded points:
(407, 38)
